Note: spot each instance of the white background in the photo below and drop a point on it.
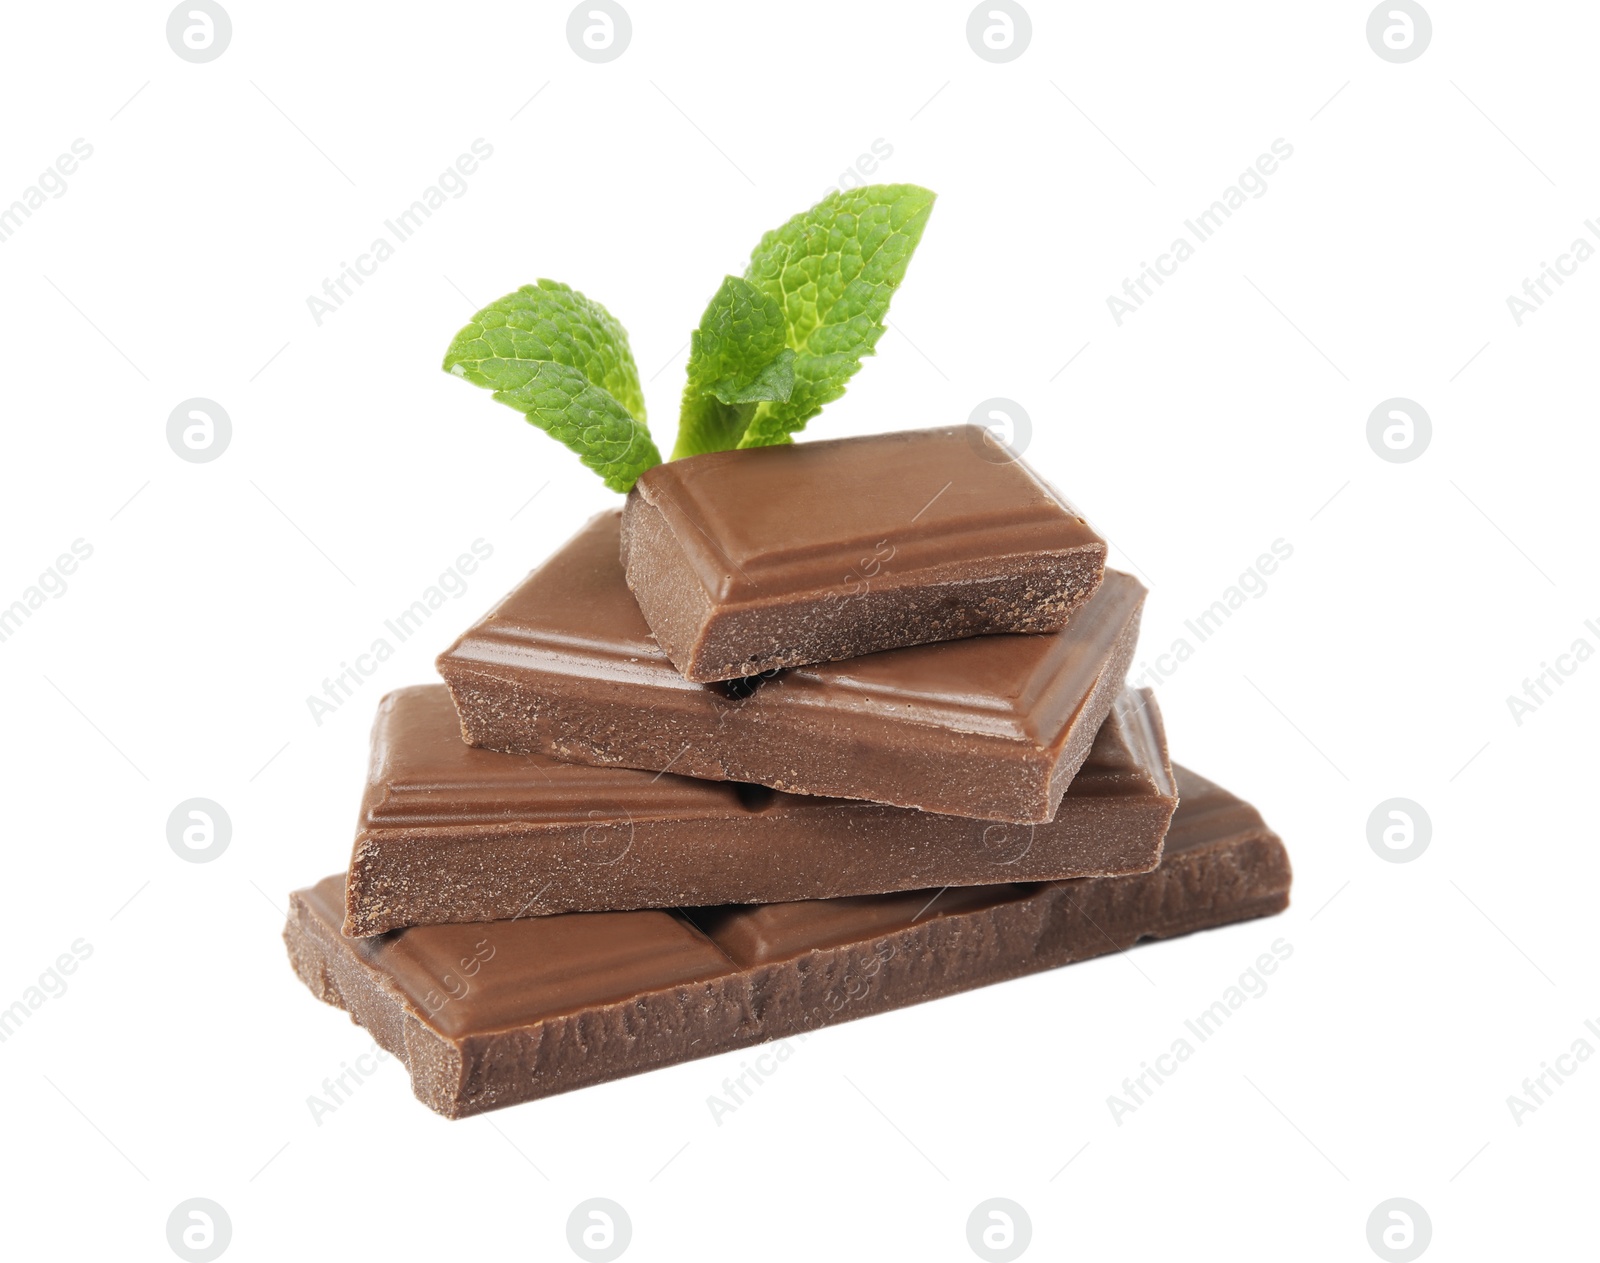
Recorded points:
(1229, 412)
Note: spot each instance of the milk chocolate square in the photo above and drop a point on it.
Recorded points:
(747, 561)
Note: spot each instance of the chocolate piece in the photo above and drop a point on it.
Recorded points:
(772, 557)
(992, 727)
(453, 833)
(496, 1013)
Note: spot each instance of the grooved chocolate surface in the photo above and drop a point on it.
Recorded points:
(744, 561)
(991, 728)
(492, 1014)
(449, 832)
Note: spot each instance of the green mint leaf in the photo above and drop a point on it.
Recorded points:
(566, 405)
(563, 361)
(773, 380)
(741, 333)
(738, 357)
(832, 271)
(706, 424)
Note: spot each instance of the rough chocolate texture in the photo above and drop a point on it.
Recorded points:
(746, 561)
(449, 832)
(992, 728)
(496, 1013)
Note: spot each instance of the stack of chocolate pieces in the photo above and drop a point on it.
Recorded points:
(800, 735)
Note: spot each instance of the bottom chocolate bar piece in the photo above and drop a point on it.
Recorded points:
(495, 1013)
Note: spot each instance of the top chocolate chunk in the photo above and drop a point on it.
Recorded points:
(747, 561)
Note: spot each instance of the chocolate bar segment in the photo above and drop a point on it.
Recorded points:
(991, 728)
(747, 561)
(496, 1013)
(453, 833)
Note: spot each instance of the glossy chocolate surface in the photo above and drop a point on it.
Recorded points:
(450, 832)
(991, 728)
(492, 1014)
(781, 519)
(744, 561)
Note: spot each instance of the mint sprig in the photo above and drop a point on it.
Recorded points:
(563, 361)
(738, 358)
(773, 346)
(832, 270)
